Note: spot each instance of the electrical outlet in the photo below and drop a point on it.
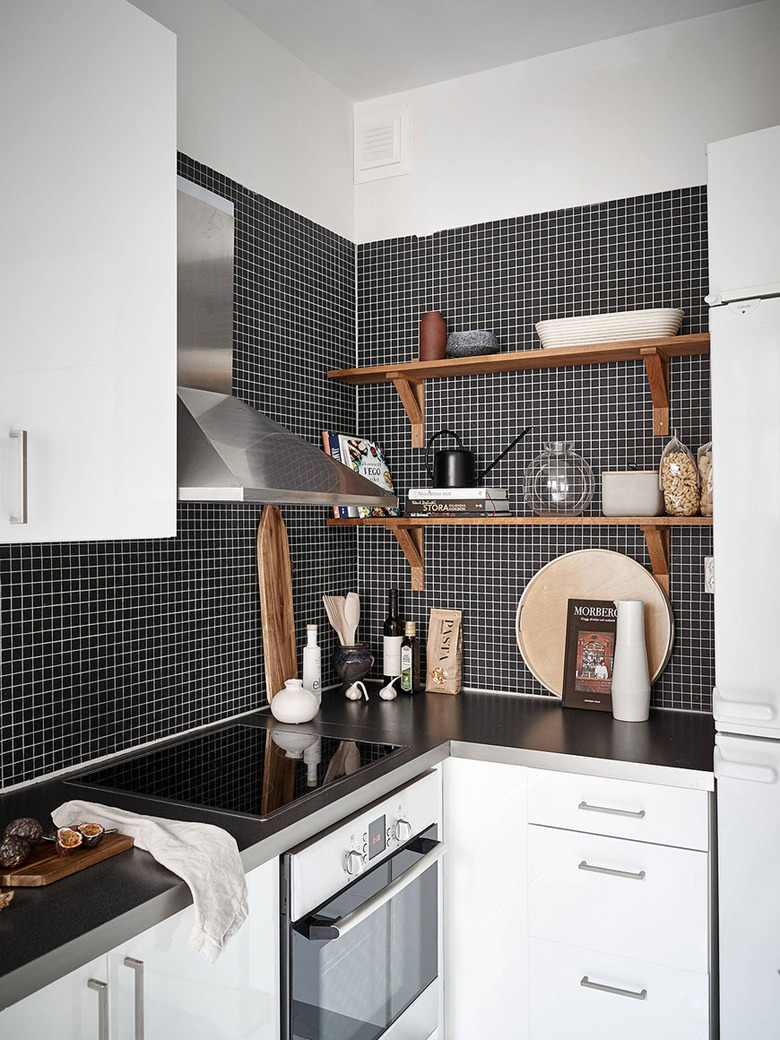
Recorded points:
(709, 574)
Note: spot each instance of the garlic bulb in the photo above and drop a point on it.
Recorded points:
(356, 691)
(389, 692)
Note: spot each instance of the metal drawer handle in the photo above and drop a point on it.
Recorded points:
(22, 517)
(101, 988)
(641, 995)
(138, 968)
(638, 814)
(610, 870)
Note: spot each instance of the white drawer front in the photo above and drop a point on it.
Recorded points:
(565, 1002)
(619, 808)
(655, 909)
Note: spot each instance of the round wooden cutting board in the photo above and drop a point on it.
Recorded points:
(587, 574)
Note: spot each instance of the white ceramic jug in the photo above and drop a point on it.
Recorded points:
(294, 703)
(630, 676)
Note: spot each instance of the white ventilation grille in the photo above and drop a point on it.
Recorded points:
(381, 143)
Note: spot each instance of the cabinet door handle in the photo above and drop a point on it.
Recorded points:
(138, 967)
(21, 435)
(641, 995)
(635, 814)
(101, 988)
(614, 873)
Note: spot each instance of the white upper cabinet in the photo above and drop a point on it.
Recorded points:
(87, 272)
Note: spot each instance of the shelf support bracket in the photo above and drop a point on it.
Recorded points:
(657, 539)
(412, 542)
(657, 368)
(412, 396)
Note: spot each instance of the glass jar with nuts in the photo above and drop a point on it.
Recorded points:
(679, 479)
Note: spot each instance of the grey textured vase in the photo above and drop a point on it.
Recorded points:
(352, 662)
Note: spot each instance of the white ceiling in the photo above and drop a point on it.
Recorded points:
(368, 48)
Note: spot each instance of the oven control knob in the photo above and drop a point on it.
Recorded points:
(353, 863)
(402, 831)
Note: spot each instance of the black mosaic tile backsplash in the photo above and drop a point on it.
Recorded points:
(505, 276)
(106, 645)
(110, 645)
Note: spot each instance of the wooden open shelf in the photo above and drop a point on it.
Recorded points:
(409, 377)
(410, 533)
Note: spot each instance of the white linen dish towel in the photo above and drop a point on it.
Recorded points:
(204, 856)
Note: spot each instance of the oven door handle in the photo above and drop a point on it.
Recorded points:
(316, 928)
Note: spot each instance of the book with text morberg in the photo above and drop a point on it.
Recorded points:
(367, 458)
(590, 653)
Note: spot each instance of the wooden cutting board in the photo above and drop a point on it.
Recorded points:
(587, 574)
(281, 660)
(45, 865)
(276, 601)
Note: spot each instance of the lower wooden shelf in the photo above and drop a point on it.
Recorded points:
(410, 533)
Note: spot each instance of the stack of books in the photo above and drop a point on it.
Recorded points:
(448, 502)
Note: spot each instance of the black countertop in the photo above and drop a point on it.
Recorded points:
(47, 932)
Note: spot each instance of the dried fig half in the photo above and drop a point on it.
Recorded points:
(92, 833)
(68, 840)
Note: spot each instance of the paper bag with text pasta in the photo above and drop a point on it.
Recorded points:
(445, 643)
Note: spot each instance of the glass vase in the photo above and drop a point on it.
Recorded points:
(558, 482)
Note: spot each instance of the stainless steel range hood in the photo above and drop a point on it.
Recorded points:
(228, 451)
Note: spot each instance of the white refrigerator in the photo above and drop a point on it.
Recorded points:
(744, 251)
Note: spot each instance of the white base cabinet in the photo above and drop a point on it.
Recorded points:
(574, 906)
(485, 904)
(158, 987)
(87, 272)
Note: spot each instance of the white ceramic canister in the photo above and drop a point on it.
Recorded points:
(294, 703)
(630, 675)
(631, 493)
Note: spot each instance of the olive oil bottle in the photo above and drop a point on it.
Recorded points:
(410, 659)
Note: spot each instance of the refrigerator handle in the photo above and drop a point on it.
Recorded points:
(713, 300)
(742, 770)
(739, 711)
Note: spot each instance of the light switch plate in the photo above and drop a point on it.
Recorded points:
(709, 574)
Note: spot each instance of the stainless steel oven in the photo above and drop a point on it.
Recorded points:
(360, 924)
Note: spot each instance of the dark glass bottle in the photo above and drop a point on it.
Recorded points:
(392, 634)
(410, 659)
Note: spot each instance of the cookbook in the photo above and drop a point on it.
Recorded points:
(590, 654)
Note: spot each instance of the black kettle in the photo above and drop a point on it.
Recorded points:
(457, 467)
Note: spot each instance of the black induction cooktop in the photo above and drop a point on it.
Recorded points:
(239, 769)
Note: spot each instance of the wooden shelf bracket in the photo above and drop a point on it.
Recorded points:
(657, 539)
(412, 542)
(412, 396)
(657, 367)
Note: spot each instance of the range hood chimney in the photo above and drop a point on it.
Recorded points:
(228, 451)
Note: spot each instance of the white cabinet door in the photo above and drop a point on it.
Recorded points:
(743, 212)
(87, 271)
(68, 1009)
(748, 784)
(745, 394)
(182, 996)
(485, 911)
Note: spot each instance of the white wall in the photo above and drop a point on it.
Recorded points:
(624, 117)
(251, 110)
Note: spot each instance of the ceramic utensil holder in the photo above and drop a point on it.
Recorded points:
(630, 676)
(352, 662)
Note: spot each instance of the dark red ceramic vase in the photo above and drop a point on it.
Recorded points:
(433, 336)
